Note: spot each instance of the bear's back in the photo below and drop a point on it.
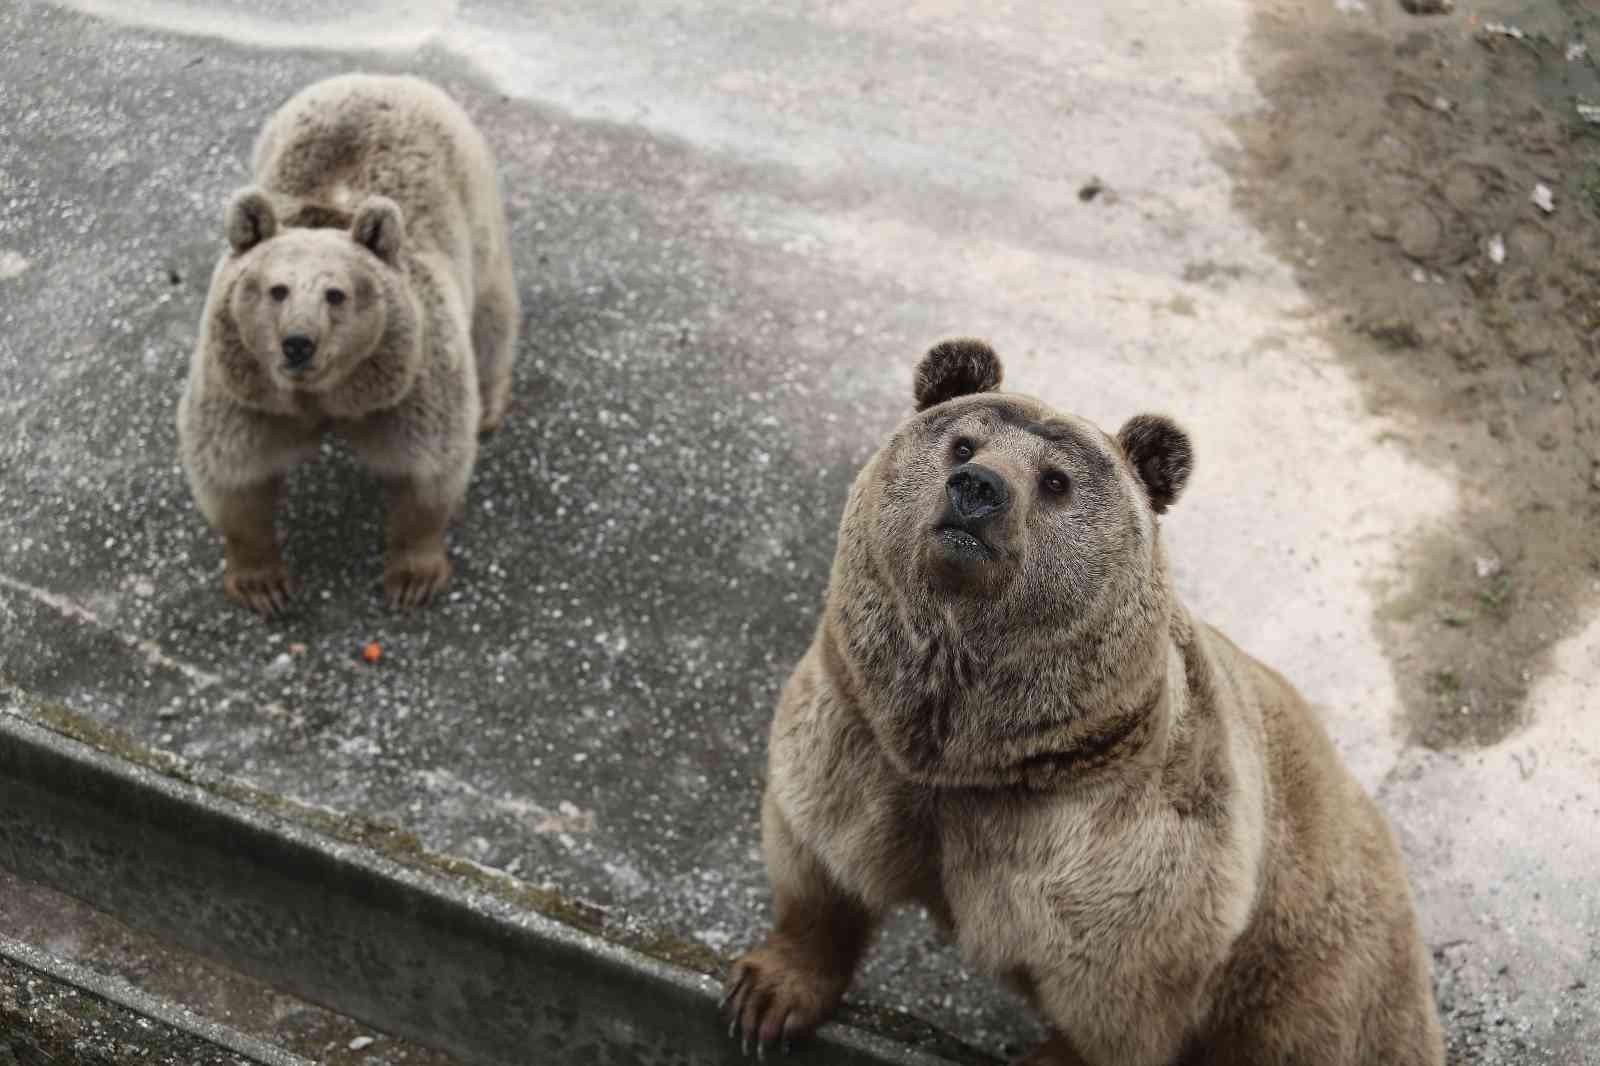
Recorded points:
(345, 138)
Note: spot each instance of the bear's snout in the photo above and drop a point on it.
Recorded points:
(976, 492)
(298, 350)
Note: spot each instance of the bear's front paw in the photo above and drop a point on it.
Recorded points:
(413, 580)
(778, 992)
(494, 412)
(267, 590)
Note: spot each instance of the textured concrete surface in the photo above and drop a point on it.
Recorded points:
(47, 1021)
(359, 918)
(736, 229)
(69, 930)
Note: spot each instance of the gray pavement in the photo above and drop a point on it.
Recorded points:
(736, 228)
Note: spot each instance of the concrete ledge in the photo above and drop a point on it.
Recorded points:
(119, 993)
(341, 925)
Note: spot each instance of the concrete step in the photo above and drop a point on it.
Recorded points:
(54, 1013)
(84, 953)
(365, 923)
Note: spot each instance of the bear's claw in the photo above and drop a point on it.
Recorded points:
(415, 581)
(770, 1000)
(268, 590)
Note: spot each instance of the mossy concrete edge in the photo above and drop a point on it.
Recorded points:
(387, 851)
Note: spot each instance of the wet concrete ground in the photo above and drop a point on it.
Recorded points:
(736, 230)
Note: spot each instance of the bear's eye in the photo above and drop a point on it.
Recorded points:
(335, 297)
(279, 293)
(963, 451)
(1055, 484)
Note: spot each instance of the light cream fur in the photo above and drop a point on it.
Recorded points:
(374, 230)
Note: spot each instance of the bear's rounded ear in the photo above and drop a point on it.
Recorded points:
(954, 368)
(379, 227)
(1161, 455)
(249, 219)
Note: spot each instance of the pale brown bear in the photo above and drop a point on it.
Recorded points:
(1008, 717)
(366, 291)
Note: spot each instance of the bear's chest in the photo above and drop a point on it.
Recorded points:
(1034, 882)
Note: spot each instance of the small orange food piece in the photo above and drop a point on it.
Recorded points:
(372, 652)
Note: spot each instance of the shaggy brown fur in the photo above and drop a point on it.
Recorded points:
(367, 292)
(1008, 717)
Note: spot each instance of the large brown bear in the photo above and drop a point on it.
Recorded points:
(366, 291)
(1008, 717)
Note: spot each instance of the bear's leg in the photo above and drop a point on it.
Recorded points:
(415, 568)
(235, 460)
(253, 572)
(495, 321)
(787, 986)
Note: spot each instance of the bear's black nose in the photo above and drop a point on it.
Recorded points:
(298, 350)
(977, 492)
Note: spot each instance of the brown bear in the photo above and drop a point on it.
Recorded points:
(1008, 717)
(367, 292)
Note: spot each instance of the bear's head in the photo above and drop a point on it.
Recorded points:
(315, 316)
(1000, 585)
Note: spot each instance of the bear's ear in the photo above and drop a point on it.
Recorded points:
(954, 368)
(379, 227)
(1161, 455)
(249, 219)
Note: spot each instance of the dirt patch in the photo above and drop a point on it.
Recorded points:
(1436, 181)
